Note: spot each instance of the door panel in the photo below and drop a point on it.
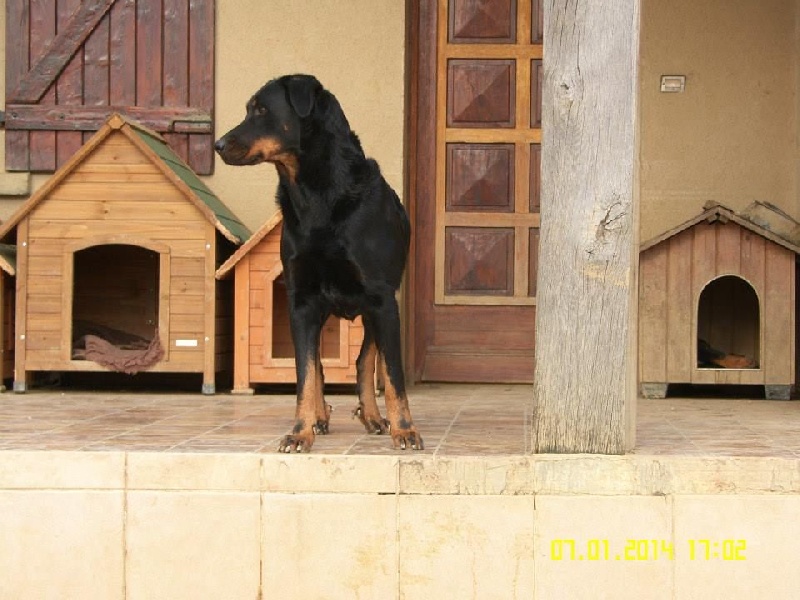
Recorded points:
(480, 177)
(474, 187)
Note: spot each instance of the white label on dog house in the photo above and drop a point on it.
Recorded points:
(186, 343)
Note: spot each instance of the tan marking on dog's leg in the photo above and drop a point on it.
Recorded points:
(302, 437)
(322, 409)
(367, 410)
(404, 433)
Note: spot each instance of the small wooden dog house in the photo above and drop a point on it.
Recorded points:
(116, 253)
(263, 348)
(717, 306)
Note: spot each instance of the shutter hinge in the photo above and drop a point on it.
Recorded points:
(198, 125)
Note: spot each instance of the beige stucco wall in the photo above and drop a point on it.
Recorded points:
(731, 137)
(355, 47)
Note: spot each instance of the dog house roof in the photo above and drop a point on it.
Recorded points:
(156, 148)
(254, 240)
(714, 212)
(8, 259)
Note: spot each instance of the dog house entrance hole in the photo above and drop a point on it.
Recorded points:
(728, 325)
(115, 294)
(282, 346)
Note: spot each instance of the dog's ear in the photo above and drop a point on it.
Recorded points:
(302, 93)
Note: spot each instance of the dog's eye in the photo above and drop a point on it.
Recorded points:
(261, 110)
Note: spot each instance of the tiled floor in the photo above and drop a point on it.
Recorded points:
(454, 420)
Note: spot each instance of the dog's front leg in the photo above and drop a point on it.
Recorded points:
(311, 414)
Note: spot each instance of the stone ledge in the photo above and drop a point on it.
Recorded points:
(513, 475)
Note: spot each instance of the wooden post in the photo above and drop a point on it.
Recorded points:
(241, 327)
(585, 376)
(21, 375)
(210, 313)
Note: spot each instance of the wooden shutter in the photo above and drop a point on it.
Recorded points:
(69, 64)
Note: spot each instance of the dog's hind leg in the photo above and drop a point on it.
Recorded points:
(387, 335)
(322, 408)
(367, 410)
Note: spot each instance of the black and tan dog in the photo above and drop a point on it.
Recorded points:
(344, 245)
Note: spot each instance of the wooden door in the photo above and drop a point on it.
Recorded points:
(475, 131)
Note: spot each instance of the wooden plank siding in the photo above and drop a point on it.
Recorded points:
(778, 320)
(70, 64)
(200, 155)
(679, 290)
(69, 89)
(42, 34)
(18, 17)
(653, 315)
(677, 271)
(20, 309)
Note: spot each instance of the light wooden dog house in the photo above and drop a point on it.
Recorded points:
(263, 348)
(125, 238)
(719, 280)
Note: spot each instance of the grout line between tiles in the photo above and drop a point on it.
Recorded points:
(443, 440)
(125, 527)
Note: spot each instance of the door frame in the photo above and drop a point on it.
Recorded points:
(420, 172)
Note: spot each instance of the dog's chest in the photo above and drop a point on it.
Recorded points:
(328, 272)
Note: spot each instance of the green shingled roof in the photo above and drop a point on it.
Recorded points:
(226, 219)
(174, 168)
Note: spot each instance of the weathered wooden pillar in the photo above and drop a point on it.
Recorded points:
(585, 377)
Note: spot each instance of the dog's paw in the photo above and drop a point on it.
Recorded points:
(321, 426)
(296, 442)
(407, 439)
(375, 425)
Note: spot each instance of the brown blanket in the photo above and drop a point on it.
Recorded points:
(123, 360)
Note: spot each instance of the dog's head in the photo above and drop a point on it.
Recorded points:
(272, 129)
